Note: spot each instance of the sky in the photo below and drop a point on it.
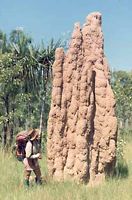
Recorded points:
(46, 19)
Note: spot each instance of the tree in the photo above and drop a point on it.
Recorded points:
(9, 87)
(122, 86)
(3, 42)
(25, 84)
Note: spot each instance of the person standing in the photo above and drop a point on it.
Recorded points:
(32, 154)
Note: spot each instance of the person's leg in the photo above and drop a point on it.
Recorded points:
(38, 178)
(27, 174)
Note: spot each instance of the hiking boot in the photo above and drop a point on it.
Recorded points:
(38, 181)
(26, 183)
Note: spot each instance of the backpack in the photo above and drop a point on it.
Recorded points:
(21, 141)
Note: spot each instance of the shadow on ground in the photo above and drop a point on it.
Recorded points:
(121, 170)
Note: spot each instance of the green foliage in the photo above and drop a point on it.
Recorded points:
(122, 86)
(120, 145)
(121, 168)
(25, 83)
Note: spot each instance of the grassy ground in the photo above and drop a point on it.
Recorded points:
(11, 184)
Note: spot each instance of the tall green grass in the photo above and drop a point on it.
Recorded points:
(11, 183)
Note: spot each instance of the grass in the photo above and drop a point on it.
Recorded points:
(11, 183)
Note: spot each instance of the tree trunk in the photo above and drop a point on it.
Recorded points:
(41, 120)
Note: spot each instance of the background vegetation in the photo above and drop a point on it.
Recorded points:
(25, 84)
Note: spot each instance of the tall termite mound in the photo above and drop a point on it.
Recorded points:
(82, 126)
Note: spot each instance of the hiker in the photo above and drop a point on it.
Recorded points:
(32, 151)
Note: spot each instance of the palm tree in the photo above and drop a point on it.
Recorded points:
(28, 70)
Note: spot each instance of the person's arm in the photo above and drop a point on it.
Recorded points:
(29, 152)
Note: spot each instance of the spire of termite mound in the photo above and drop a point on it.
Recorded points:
(82, 126)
